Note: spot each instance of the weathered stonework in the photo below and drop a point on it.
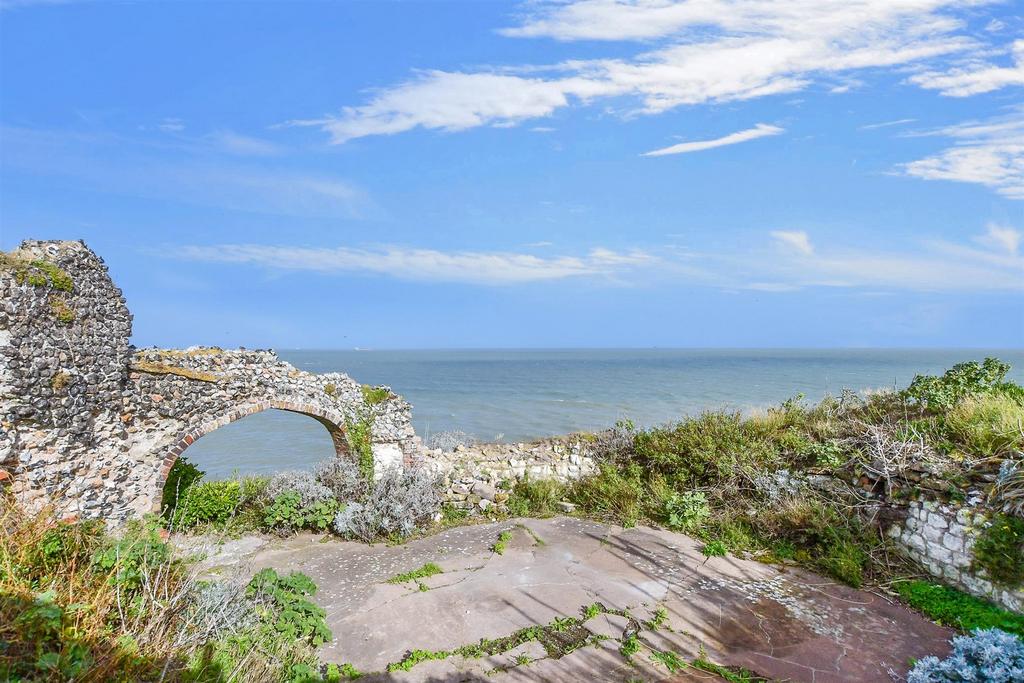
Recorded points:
(92, 426)
(941, 538)
(480, 476)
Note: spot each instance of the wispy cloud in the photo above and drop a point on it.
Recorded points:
(428, 265)
(171, 125)
(936, 265)
(1002, 238)
(759, 131)
(989, 153)
(991, 262)
(692, 53)
(243, 145)
(887, 124)
(797, 240)
(976, 75)
(188, 173)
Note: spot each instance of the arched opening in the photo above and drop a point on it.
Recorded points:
(263, 443)
(258, 439)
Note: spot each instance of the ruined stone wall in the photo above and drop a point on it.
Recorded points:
(92, 427)
(941, 537)
(480, 476)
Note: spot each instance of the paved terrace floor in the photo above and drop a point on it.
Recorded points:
(785, 624)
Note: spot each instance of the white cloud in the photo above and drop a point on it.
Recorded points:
(976, 76)
(429, 265)
(989, 153)
(797, 240)
(1002, 238)
(695, 52)
(171, 125)
(759, 131)
(886, 124)
(934, 265)
(450, 102)
(243, 145)
(937, 265)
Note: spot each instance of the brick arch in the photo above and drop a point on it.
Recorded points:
(333, 423)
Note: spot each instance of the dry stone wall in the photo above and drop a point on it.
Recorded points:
(92, 426)
(941, 537)
(480, 476)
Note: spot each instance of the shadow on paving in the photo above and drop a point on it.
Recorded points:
(783, 623)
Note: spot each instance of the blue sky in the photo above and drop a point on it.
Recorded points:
(480, 174)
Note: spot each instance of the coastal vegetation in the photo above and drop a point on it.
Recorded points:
(78, 602)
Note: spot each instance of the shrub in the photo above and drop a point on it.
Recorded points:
(535, 497)
(961, 381)
(375, 395)
(612, 493)
(343, 478)
(399, 502)
(284, 607)
(359, 437)
(817, 533)
(181, 476)
(300, 482)
(128, 558)
(958, 609)
(714, 549)
(207, 502)
(450, 440)
(703, 450)
(987, 425)
(287, 513)
(1008, 490)
(829, 454)
(686, 511)
(999, 550)
(987, 655)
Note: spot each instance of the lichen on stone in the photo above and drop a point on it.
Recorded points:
(164, 369)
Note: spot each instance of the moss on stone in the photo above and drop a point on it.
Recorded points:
(999, 550)
(330, 389)
(164, 369)
(60, 380)
(427, 570)
(189, 353)
(375, 395)
(60, 310)
(36, 272)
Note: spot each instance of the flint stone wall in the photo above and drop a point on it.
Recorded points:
(480, 476)
(92, 426)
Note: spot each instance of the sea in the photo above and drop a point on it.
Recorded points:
(516, 395)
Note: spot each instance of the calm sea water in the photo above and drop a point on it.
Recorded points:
(515, 395)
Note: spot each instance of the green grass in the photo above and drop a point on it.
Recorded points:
(427, 570)
(714, 549)
(731, 674)
(503, 538)
(535, 497)
(670, 660)
(374, 395)
(630, 646)
(657, 620)
(999, 550)
(955, 608)
(416, 657)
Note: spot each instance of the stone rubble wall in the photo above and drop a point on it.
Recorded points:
(481, 476)
(941, 538)
(92, 426)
